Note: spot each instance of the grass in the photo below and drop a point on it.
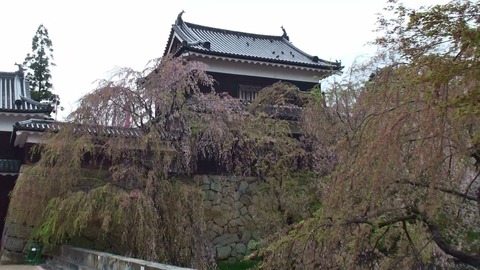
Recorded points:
(243, 265)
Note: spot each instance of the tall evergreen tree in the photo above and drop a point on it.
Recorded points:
(38, 63)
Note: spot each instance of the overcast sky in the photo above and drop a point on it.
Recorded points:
(91, 38)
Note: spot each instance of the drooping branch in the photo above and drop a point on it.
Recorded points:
(397, 219)
(446, 190)
(473, 260)
(358, 221)
(415, 251)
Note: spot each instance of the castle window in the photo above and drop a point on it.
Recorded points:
(248, 91)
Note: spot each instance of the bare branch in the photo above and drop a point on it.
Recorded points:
(446, 190)
(415, 251)
(397, 219)
(473, 260)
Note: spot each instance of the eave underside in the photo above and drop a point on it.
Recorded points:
(260, 69)
(230, 83)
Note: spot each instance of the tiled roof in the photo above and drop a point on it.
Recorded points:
(41, 125)
(9, 166)
(221, 42)
(14, 95)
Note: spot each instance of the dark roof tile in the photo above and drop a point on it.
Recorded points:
(9, 165)
(14, 95)
(42, 125)
(215, 41)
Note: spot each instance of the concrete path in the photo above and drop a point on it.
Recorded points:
(20, 267)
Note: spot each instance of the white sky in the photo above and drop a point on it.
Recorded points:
(92, 37)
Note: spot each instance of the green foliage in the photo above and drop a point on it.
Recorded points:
(121, 218)
(131, 203)
(279, 94)
(317, 96)
(39, 63)
(242, 265)
(403, 193)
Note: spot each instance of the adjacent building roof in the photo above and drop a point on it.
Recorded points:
(30, 131)
(15, 95)
(38, 125)
(221, 42)
(9, 166)
(41, 125)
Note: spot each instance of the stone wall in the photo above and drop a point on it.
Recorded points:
(234, 223)
(14, 243)
(233, 218)
(16, 233)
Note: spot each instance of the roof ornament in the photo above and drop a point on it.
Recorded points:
(179, 19)
(20, 67)
(285, 36)
(18, 103)
(206, 45)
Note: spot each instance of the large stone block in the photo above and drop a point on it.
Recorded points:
(256, 235)
(243, 187)
(251, 209)
(220, 220)
(252, 245)
(228, 200)
(253, 188)
(215, 186)
(212, 195)
(225, 239)
(246, 236)
(217, 209)
(204, 179)
(211, 234)
(235, 214)
(241, 248)
(236, 196)
(217, 229)
(223, 252)
(207, 204)
(9, 257)
(226, 207)
(238, 205)
(14, 244)
(17, 231)
(236, 223)
(247, 200)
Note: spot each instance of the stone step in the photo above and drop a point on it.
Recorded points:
(58, 263)
(84, 259)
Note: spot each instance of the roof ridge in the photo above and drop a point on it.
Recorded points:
(52, 121)
(4, 73)
(34, 102)
(234, 31)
